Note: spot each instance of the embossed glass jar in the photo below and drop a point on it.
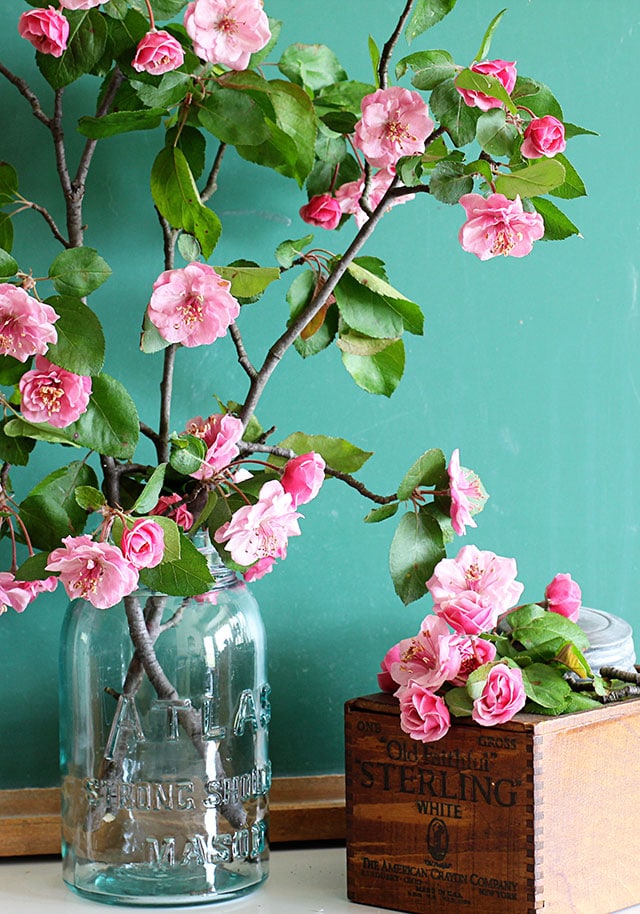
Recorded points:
(165, 786)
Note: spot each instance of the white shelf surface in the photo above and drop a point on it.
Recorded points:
(301, 881)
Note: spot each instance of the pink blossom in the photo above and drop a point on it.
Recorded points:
(158, 52)
(97, 572)
(18, 594)
(143, 544)
(227, 31)
(46, 29)
(26, 325)
(348, 195)
(259, 569)
(499, 697)
(430, 658)
(474, 652)
(81, 4)
(322, 210)
(469, 613)
(220, 433)
(423, 715)
(485, 573)
(563, 595)
(180, 514)
(261, 530)
(192, 305)
(503, 70)
(543, 136)
(303, 476)
(496, 225)
(386, 682)
(395, 122)
(51, 394)
(467, 494)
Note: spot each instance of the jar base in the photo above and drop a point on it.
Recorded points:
(153, 885)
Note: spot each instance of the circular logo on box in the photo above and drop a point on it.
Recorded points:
(438, 839)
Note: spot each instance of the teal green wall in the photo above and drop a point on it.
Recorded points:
(530, 367)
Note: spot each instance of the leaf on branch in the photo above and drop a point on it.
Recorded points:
(85, 46)
(557, 226)
(81, 344)
(381, 513)
(289, 251)
(148, 498)
(51, 511)
(430, 68)
(311, 65)
(97, 128)
(248, 281)
(428, 470)
(8, 265)
(78, 271)
(485, 44)
(337, 452)
(416, 549)
(380, 373)
(426, 14)
(541, 177)
(184, 577)
(489, 85)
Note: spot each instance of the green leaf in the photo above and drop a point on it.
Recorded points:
(545, 686)
(430, 68)
(573, 185)
(495, 134)
(185, 577)
(337, 452)
(571, 130)
(416, 549)
(410, 313)
(148, 498)
(541, 177)
(6, 232)
(428, 470)
(8, 266)
(377, 374)
(358, 344)
(233, 117)
(485, 45)
(172, 540)
(150, 339)
(81, 345)
(382, 513)
(85, 47)
(540, 628)
(537, 97)
(374, 56)
(289, 251)
(248, 281)
(78, 271)
(187, 454)
(299, 295)
(311, 65)
(89, 498)
(426, 14)
(366, 311)
(175, 194)
(189, 248)
(557, 226)
(34, 568)
(11, 370)
(489, 85)
(8, 183)
(50, 511)
(458, 119)
(171, 89)
(459, 702)
(118, 122)
(449, 182)
(14, 451)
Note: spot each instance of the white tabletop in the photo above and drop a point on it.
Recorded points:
(301, 881)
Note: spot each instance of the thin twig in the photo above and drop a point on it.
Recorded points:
(212, 181)
(90, 146)
(111, 480)
(48, 218)
(243, 359)
(387, 50)
(24, 89)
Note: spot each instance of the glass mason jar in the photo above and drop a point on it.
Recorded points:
(165, 785)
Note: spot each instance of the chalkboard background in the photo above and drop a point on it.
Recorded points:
(529, 366)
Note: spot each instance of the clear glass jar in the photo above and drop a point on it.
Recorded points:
(165, 786)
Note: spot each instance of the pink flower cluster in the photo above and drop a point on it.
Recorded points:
(496, 225)
(220, 433)
(227, 32)
(103, 573)
(192, 305)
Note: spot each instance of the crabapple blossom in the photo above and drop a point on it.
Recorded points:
(543, 136)
(423, 715)
(468, 612)
(503, 70)
(322, 210)
(97, 572)
(158, 52)
(430, 658)
(192, 305)
(26, 325)
(143, 544)
(180, 514)
(386, 682)
(18, 594)
(227, 31)
(348, 195)
(563, 595)
(482, 572)
(474, 652)
(395, 122)
(52, 394)
(496, 225)
(498, 697)
(259, 569)
(220, 433)
(467, 494)
(46, 29)
(263, 529)
(303, 476)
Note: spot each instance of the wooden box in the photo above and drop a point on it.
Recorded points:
(539, 814)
